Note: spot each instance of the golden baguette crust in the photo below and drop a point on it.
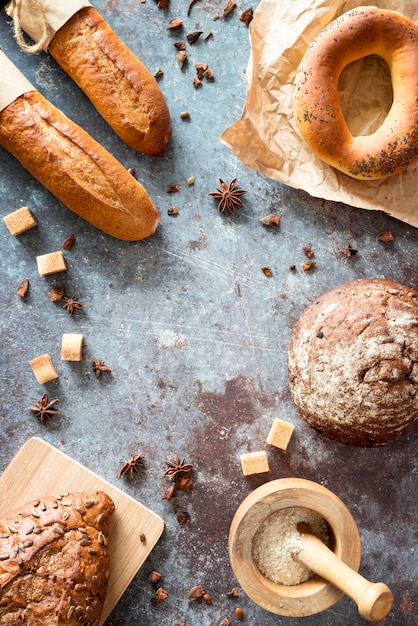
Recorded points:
(54, 561)
(76, 169)
(118, 84)
(358, 33)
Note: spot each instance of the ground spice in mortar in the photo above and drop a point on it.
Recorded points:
(277, 540)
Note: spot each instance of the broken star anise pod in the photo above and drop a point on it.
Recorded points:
(44, 408)
(99, 367)
(131, 466)
(228, 196)
(71, 304)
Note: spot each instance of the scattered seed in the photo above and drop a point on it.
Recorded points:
(238, 613)
(185, 115)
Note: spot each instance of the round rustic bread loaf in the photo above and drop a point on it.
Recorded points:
(353, 362)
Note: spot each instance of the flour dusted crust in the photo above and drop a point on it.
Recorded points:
(358, 33)
(54, 562)
(353, 362)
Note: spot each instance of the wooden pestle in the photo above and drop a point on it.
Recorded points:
(374, 600)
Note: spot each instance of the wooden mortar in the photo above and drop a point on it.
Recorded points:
(316, 594)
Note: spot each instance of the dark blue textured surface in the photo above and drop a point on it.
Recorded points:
(194, 332)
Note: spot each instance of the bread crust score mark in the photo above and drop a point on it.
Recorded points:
(354, 35)
(114, 79)
(76, 169)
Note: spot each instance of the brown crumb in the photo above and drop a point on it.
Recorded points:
(209, 74)
(57, 293)
(194, 36)
(229, 8)
(183, 516)
(175, 24)
(196, 592)
(154, 577)
(270, 220)
(69, 242)
(307, 250)
(307, 266)
(173, 211)
(267, 271)
(159, 596)
(201, 69)
(349, 251)
(233, 593)
(173, 189)
(23, 288)
(224, 622)
(247, 16)
(385, 236)
(181, 58)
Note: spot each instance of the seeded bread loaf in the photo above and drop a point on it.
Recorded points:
(353, 362)
(54, 561)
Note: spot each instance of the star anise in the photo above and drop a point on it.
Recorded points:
(228, 195)
(44, 409)
(131, 466)
(177, 466)
(71, 304)
(99, 367)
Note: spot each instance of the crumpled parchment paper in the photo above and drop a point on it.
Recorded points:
(266, 137)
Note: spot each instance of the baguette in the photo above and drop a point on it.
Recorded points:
(54, 560)
(82, 174)
(117, 83)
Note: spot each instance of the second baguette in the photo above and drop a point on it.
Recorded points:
(114, 79)
(80, 172)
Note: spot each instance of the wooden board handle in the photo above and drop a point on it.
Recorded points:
(374, 600)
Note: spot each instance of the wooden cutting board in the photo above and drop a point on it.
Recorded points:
(39, 470)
